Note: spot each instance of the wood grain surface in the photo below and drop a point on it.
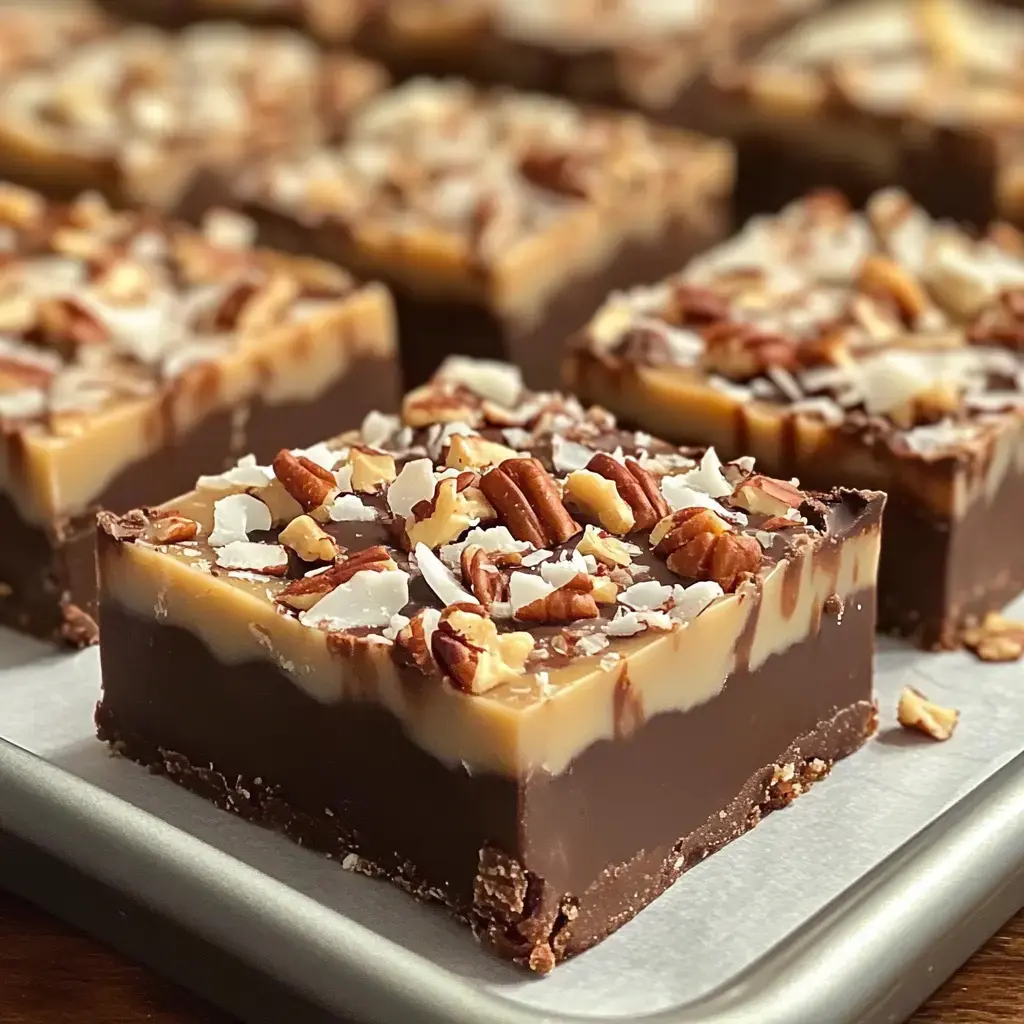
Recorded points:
(51, 974)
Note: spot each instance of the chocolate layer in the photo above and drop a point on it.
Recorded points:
(46, 569)
(581, 852)
(430, 329)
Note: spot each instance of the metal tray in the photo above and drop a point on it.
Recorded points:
(850, 906)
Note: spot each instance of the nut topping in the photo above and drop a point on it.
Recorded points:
(371, 470)
(170, 529)
(448, 515)
(742, 351)
(765, 495)
(996, 639)
(606, 549)
(308, 483)
(880, 275)
(915, 711)
(599, 497)
(699, 544)
(309, 540)
(429, 404)
(475, 452)
(635, 486)
(526, 500)
(472, 653)
(569, 602)
(303, 593)
(481, 572)
(413, 640)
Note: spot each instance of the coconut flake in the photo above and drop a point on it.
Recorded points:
(535, 558)
(440, 578)
(689, 602)
(245, 473)
(516, 437)
(368, 599)
(561, 572)
(395, 626)
(235, 517)
(890, 380)
(415, 483)
(708, 477)
(626, 624)
(493, 539)
(679, 495)
(568, 456)
(524, 588)
(591, 643)
(252, 556)
(343, 478)
(23, 403)
(489, 379)
(645, 596)
(319, 453)
(377, 428)
(349, 508)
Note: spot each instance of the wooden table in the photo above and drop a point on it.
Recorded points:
(50, 974)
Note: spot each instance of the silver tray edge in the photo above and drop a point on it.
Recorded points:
(871, 956)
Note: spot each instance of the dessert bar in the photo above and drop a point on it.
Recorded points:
(499, 219)
(137, 112)
(875, 350)
(498, 651)
(921, 94)
(133, 355)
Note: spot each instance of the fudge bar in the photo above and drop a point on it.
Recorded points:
(133, 354)
(498, 651)
(878, 350)
(137, 113)
(921, 94)
(500, 220)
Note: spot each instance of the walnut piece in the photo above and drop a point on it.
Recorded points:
(475, 452)
(371, 470)
(597, 496)
(309, 540)
(765, 495)
(880, 275)
(448, 514)
(996, 638)
(698, 543)
(606, 549)
(635, 486)
(915, 711)
(472, 653)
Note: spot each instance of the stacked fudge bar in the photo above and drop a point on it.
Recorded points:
(921, 94)
(137, 113)
(133, 354)
(880, 350)
(591, 658)
(651, 55)
(499, 219)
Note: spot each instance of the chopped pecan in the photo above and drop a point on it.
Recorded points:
(526, 500)
(698, 543)
(472, 653)
(65, 325)
(170, 528)
(309, 540)
(412, 642)
(637, 488)
(1001, 323)
(880, 275)
(308, 483)
(253, 305)
(690, 306)
(742, 351)
(915, 711)
(765, 495)
(303, 593)
(569, 602)
(554, 172)
(432, 404)
(996, 638)
(481, 572)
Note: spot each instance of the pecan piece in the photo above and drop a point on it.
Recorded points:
(880, 275)
(170, 529)
(308, 483)
(636, 487)
(765, 495)
(569, 602)
(526, 500)
(741, 351)
(698, 543)
(481, 572)
(413, 641)
(1001, 323)
(432, 404)
(472, 653)
(690, 306)
(302, 594)
(554, 172)
(66, 325)
(916, 711)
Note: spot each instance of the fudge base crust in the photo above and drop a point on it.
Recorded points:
(543, 866)
(48, 577)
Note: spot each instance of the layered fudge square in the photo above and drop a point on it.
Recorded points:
(590, 659)
(137, 113)
(878, 350)
(499, 219)
(134, 354)
(923, 94)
